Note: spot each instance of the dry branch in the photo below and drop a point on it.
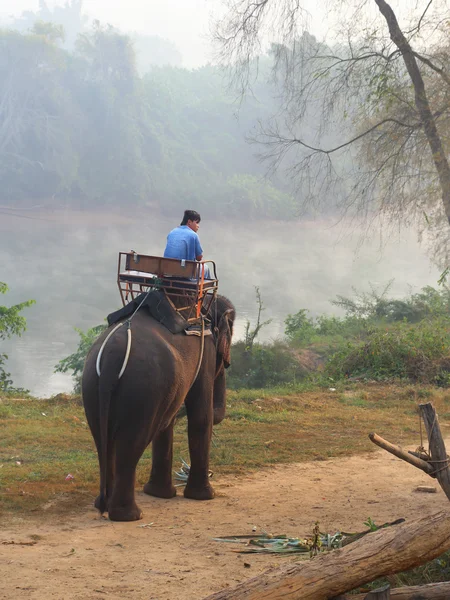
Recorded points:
(383, 552)
(400, 453)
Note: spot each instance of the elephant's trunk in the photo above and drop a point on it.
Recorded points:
(220, 401)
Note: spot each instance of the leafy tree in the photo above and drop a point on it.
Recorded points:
(380, 96)
(75, 362)
(67, 16)
(36, 153)
(152, 50)
(11, 323)
(53, 33)
(82, 127)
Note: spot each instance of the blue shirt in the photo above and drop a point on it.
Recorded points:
(182, 242)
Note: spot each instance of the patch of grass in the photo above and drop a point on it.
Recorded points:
(435, 571)
(250, 394)
(45, 440)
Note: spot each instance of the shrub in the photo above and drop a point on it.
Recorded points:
(418, 352)
(75, 362)
(266, 365)
(11, 323)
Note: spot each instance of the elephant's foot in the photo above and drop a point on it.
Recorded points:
(159, 491)
(125, 513)
(205, 492)
(97, 504)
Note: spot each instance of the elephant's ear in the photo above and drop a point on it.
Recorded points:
(224, 337)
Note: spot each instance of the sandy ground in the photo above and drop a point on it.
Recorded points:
(171, 553)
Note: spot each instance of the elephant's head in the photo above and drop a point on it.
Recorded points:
(223, 319)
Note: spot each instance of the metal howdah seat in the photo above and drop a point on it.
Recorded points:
(183, 281)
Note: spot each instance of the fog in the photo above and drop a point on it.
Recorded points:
(184, 22)
(105, 143)
(68, 264)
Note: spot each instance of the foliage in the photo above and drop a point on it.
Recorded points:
(419, 352)
(75, 362)
(253, 435)
(5, 381)
(299, 326)
(380, 337)
(429, 302)
(11, 323)
(265, 366)
(93, 125)
(364, 119)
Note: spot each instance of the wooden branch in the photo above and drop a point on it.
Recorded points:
(431, 591)
(383, 552)
(439, 459)
(400, 453)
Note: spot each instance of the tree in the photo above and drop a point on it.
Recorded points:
(152, 50)
(68, 16)
(75, 362)
(371, 111)
(36, 112)
(251, 334)
(11, 323)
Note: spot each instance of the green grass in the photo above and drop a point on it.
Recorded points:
(45, 440)
(435, 571)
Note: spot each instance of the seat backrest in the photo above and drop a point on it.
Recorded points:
(162, 267)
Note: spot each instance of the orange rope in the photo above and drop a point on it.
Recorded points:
(200, 291)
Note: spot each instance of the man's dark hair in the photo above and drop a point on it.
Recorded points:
(191, 215)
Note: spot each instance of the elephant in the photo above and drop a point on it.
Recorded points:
(126, 414)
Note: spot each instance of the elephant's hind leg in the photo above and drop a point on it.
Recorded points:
(160, 482)
(122, 504)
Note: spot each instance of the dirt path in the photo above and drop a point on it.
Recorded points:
(85, 557)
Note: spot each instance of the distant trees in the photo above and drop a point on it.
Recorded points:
(69, 16)
(36, 109)
(83, 127)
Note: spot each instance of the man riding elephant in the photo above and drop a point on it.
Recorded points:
(126, 413)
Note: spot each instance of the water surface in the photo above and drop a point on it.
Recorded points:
(67, 262)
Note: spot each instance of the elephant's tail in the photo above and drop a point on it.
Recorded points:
(107, 383)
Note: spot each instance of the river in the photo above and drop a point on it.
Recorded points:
(67, 262)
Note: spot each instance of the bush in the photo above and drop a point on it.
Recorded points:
(299, 327)
(418, 352)
(266, 365)
(374, 306)
(75, 362)
(11, 323)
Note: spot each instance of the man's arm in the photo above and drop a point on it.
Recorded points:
(198, 249)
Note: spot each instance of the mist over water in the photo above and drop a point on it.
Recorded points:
(67, 262)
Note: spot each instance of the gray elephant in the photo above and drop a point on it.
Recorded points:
(126, 414)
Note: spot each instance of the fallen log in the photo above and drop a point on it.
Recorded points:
(431, 591)
(383, 552)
